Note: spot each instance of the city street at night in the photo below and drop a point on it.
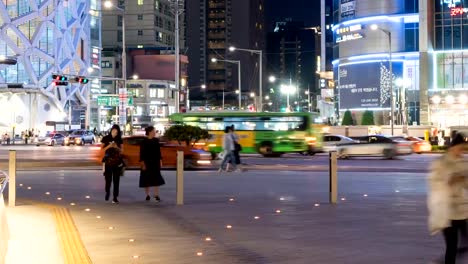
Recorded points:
(76, 157)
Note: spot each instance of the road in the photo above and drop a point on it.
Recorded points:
(73, 155)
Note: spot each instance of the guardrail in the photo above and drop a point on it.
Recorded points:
(4, 231)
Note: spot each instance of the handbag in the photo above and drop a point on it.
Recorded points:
(222, 154)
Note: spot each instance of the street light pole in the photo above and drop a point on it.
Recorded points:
(177, 57)
(260, 81)
(390, 67)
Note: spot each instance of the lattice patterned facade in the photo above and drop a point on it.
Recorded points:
(46, 37)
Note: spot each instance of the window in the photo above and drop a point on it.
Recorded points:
(159, 36)
(119, 20)
(106, 64)
(160, 93)
(140, 32)
(140, 17)
(140, 2)
(156, 5)
(119, 35)
(122, 3)
(153, 93)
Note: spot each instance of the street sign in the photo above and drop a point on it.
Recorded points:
(112, 100)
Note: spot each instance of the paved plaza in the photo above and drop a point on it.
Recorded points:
(250, 217)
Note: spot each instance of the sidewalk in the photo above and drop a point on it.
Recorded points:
(258, 217)
(33, 236)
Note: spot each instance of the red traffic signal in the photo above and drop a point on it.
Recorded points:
(81, 80)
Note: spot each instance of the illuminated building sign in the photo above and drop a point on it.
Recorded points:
(452, 3)
(348, 37)
(455, 11)
(349, 29)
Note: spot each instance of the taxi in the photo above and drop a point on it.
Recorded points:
(193, 158)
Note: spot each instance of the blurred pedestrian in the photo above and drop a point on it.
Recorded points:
(151, 163)
(237, 148)
(228, 149)
(447, 198)
(112, 145)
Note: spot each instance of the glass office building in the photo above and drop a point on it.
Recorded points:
(43, 37)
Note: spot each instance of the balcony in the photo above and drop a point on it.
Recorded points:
(214, 5)
(216, 77)
(220, 35)
(217, 15)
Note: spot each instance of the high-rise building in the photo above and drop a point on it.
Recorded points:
(39, 39)
(212, 27)
(293, 54)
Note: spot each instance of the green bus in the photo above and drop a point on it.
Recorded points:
(270, 134)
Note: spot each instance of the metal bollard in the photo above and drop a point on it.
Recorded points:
(180, 178)
(333, 177)
(12, 179)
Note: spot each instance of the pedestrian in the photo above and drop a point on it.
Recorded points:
(113, 161)
(237, 148)
(228, 149)
(151, 163)
(447, 198)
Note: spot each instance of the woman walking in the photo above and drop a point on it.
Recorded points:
(151, 163)
(447, 199)
(229, 148)
(113, 162)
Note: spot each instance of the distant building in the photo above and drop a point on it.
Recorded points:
(212, 27)
(293, 55)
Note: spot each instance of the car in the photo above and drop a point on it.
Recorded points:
(374, 145)
(80, 137)
(193, 158)
(419, 145)
(51, 139)
(330, 142)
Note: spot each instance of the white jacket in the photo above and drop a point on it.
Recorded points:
(446, 201)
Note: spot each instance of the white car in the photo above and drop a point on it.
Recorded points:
(374, 146)
(330, 142)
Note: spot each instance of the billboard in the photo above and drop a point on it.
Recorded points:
(347, 8)
(365, 85)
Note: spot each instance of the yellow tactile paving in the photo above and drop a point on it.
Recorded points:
(73, 249)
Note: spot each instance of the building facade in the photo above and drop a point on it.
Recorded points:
(428, 44)
(43, 38)
(212, 27)
(381, 39)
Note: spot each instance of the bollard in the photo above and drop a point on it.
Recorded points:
(333, 177)
(180, 178)
(12, 179)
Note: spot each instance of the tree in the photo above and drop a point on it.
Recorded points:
(186, 134)
(347, 119)
(368, 118)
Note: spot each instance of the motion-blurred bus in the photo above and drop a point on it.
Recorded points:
(270, 134)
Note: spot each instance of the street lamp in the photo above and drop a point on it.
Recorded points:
(215, 60)
(122, 91)
(273, 79)
(260, 89)
(392, 105)
(135, 77)
(203, 87)
(288, 89)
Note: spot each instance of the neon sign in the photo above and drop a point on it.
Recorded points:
(455, 11)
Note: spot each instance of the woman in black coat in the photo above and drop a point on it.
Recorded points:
(151, 162)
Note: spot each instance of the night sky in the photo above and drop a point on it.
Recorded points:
(299, 10)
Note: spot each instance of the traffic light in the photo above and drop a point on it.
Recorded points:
(59, 80)
(81, 80)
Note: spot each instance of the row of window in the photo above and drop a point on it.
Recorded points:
(167, 39)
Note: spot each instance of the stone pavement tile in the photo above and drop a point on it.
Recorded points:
(33, 236)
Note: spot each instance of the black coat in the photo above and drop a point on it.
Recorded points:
(150, 154)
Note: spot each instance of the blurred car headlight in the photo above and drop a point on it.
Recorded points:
(204, 162)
